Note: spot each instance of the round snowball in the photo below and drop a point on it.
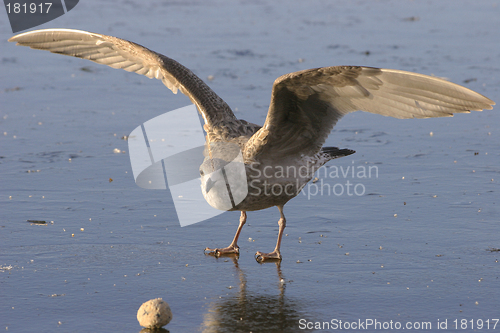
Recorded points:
(154, 313)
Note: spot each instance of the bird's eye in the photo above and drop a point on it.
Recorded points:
(202, 173)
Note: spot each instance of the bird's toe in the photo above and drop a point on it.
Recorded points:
(232, 249)
(261, 256)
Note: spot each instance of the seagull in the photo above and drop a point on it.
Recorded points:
(304, 107)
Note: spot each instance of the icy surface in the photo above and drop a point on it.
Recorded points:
(417, 246)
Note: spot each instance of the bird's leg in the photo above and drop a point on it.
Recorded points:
(233, 247)
(261, 256)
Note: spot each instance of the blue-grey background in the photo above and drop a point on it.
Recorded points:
(411, 249)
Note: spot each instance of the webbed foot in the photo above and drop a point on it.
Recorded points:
(231, 249)
(261, 256)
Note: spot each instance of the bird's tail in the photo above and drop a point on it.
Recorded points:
(334, 152)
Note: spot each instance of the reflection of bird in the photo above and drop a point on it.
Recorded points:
(281, 156)
(245, 309)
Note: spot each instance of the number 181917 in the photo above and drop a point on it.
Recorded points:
(476, 324)
(32, 8)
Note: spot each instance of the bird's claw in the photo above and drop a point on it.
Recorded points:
(232, 249)
(273, 256)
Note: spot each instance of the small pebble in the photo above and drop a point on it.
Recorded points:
(154, 313)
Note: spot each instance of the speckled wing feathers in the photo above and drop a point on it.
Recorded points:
(132, 57)
(306, 105)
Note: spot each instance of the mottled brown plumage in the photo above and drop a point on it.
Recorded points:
(304, 108)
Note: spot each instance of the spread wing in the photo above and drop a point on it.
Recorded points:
(132, 57)
(306, 105)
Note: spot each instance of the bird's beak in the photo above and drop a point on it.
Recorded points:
(209, 184)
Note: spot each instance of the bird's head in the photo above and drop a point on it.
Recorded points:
(223, 176)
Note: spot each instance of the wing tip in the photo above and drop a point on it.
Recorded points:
(18, 38)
